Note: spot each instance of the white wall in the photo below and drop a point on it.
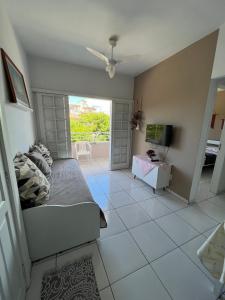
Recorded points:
(20, 123)
(58, 76)
(219, 62)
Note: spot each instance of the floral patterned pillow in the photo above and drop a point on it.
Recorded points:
(44, 152)
(32, 184)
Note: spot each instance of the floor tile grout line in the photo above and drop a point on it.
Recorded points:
(194, 262)
(208, 214)
(141, 200)
(161, 256)
(191, 224)
(150, 265)
(180, 248)
(127, 275)
(105, 270)
(147, 261)
(181, 245)
(178, 245)
(165, 233)
(219, 222)
(112, 292)
(132, 227)
(152, 219)
(175, 212)
(187, 223)
(214, 227)
(156, 274)
(171, 212)
(201, 234)
(136, 202)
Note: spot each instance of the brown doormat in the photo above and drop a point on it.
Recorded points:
(72, 282)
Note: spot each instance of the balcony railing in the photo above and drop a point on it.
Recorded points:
(92, 137)
(99, 143)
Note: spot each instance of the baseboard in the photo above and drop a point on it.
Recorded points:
(178, 196)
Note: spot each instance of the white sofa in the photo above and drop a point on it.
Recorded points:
(69, 217)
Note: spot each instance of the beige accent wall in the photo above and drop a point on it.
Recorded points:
(175, 92)
(215, 133)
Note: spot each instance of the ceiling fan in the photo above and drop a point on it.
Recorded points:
(110, 62)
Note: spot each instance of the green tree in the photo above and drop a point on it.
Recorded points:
(87, 123)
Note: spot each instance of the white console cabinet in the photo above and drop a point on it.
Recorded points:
(156, 174)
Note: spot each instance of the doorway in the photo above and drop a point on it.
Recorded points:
(210, 163)
(213, 140)
(90, 131)
(56, 130)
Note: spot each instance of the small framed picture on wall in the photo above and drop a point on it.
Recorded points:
(15, 80)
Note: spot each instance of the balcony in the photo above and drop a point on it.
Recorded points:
(100, 143)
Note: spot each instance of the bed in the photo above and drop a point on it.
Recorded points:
(70, 217)
(211, 152)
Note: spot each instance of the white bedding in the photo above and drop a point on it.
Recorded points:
(212, 150)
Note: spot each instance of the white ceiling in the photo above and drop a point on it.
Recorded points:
(154, 29)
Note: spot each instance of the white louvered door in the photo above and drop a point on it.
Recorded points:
(12, 281)
(53, 123)
(120, 134)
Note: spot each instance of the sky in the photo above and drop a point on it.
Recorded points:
(104, 105)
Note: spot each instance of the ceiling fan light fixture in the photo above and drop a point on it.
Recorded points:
(111, 69)
(109, 61)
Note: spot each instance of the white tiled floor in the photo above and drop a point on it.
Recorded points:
(149, 249)
(121, 256)
(152, 240)
(115, 224)
(182, 278)
(133, 215)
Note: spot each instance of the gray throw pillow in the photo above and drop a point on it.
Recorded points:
(40, 162)
(44, 152)
(32, 183)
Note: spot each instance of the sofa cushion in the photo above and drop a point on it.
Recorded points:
(32, 184)
(43, 150)
(40, 162)
(68, 186)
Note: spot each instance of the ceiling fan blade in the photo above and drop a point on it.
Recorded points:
(98, 54)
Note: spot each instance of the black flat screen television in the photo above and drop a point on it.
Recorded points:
(159, 134)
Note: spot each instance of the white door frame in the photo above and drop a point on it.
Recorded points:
(210, 104)
(67, 93)
(14, 198)
(129, 137)
(218, 171)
